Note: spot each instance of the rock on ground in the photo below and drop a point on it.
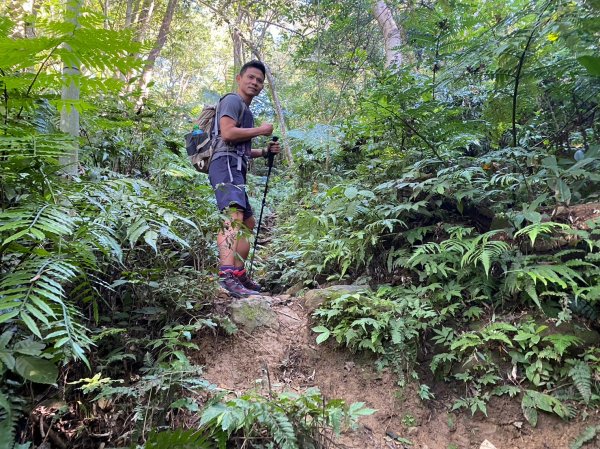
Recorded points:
(314, 298)
(255, 311)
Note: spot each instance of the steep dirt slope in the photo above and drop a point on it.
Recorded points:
(287, 352)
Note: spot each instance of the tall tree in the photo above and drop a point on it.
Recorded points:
(69, 115)
(392, 38)
(146, 75)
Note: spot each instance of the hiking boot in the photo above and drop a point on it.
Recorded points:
(230, 282)
(245, 280)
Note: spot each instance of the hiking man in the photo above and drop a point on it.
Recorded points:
(227, 174)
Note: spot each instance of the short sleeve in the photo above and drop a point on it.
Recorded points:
(231, 106)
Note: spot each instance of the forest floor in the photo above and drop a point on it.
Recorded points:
(285, 356)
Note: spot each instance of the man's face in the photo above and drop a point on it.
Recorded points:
(251, 82)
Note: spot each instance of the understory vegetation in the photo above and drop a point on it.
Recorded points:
(462, 190)
(476, 223)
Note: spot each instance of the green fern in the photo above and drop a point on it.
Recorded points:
(88, 45)
(282, 430)
(8, 421)
(533, 401)
(534, 230)
(36, 223)
(481, 249)
(587, 436)
(581, 374)
(176, 439)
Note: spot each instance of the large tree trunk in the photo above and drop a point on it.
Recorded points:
(238, 44)
(392, 37)
(30, 23)
(143, 20)
(69, 116)
(155, 52)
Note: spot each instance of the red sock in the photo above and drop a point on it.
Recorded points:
(239, 272)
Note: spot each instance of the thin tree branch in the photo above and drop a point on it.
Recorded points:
(38, 74)
(290, 30)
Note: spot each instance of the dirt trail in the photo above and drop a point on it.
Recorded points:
(288, 353)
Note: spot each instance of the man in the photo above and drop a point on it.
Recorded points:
(227, 174)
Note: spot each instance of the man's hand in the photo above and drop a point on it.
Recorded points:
(273, 147)
(266, 129)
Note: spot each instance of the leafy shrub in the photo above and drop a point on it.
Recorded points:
(288, 420)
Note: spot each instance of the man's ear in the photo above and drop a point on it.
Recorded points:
(238, 77)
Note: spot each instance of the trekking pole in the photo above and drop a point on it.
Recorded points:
(270, 158)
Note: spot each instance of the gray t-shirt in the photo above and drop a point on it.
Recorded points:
(234, 107)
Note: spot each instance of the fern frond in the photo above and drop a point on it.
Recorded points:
(36, 223)
(581, 374)
(534, 230)
(8, 421)
(282, 429)
(560, 275)
(589, 434)
(481, 249)
(34, 293)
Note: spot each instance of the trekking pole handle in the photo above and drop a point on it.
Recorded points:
(271, 155)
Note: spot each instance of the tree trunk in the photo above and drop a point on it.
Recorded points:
(129, 13)
(238, 43)
(155, 52)
(30, 23)
(278, 109)
(143, 19)
(135, 11)
(69, 116)
(392, 38)
(280, 116)
(238, 50)
(105, 8)
(183, 84)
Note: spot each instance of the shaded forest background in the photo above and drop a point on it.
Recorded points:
(444, 154)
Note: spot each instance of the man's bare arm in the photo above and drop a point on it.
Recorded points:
(231, 133)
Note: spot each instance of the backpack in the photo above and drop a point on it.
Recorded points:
(201, 143)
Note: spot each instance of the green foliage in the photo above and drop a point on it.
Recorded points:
(458, 252)
(581, 374)
(387, 323)
(88, 45)
(288, 420)
(534, 401)
(446, 178)
(176, 439)
(588, 435)
(538, 355)
(104, 254)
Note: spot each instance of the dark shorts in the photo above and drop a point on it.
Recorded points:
(228, 193)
